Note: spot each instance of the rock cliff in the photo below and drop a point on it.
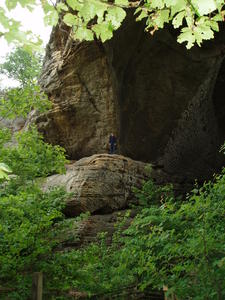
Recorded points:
(163, 102)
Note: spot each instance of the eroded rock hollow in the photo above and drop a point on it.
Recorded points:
(165, 104)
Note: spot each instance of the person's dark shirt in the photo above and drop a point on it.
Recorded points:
(112, 139)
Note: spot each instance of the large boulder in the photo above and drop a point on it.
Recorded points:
(100, 184)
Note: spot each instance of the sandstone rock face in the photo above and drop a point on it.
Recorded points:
(164, 102)
(85, 110)
(100, 184)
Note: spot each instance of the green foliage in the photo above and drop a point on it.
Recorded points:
(11, 29)
(30, 221)
(5, 136)
(25, 68)
(4, 171)
(22, 66)
(19, 102)
(153, 194)
(197, 19)
(170, 242)
(181, 244)
(175, 243)
(95, 269)
(223, 149)
(31, 157)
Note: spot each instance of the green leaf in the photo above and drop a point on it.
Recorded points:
(103, 31)
(101, 8)
(74, 4)
(157, 4)
(163, 17)
(186, 36)
(11, 4)
(214, 25)
(62, 6)
(3, 19)
(205, 31)
(3, 175)
(171, 3)
(89, 10)
(47, 7)
(204, 7)
(142, 14)
(83, 34)
(190, 19)
(93, 8)
(218, 18)
(26, 3)
(70, 19)
(115, 16)
(52, 18)
(5, 168)
(178, 6)
(122, 2)
(178, 20)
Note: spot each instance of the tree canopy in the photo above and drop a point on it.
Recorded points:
(197, 20)
(25, 68)
(22, 66)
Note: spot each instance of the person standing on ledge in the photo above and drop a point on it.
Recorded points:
(112, 143)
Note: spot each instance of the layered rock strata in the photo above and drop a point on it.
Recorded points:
(100, 184)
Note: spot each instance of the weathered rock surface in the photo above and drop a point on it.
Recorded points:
(100, 184)
(14, 125)
(164, 102)
(84, 108)
(86, 231)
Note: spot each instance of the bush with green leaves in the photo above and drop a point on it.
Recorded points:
(181, 244)
(18, 102)
(150, 193)
(29, 156)
(170, 242)
(30, 221)
(175, 243)
(94, 269)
